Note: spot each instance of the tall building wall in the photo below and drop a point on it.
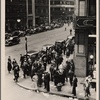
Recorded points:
(85, 37)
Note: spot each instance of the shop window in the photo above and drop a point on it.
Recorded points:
(81, 43)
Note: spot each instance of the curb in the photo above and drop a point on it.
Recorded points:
(62, 95)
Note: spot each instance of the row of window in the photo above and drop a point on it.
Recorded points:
(62, 2)
(41, 11)
(62, 9)
(42, 1)
(19, 9)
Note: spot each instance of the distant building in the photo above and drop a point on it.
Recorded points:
(15, 14)
(37, 12)
(22, 14)
(62, 9)
(85, 37)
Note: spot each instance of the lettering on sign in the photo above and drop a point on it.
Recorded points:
(85, 22)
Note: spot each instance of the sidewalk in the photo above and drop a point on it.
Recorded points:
(65, 92)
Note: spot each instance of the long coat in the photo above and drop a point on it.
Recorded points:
(74, 86)
(47, 81)
(9, 66)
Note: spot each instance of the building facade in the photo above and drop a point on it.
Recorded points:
(85, 37)
(61, 9)
(37, 12)
(15, 14)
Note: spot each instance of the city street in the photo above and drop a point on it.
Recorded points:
(35, 42)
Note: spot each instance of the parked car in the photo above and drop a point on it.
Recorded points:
(57, 25)
(52, 26)
(59, 41)
(47, 27)
(47, 46)
(32, 54)
(39, 29)
(18, 33)
(7, 35)
(70, 40)
(30, 31)
(12, 40)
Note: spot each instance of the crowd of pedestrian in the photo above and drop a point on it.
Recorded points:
(36, 67)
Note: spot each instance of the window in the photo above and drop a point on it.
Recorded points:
(29, 6)
(81, 42)
(41, 10)
(82, 8)
(56, 2)
(92, 8)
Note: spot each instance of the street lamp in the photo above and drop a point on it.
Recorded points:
(91, 57)
(91, 64)
(26, 45)
(18, 20)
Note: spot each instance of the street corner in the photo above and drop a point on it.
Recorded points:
(26, 83)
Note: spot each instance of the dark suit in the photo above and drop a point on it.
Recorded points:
(74, 86)
(47, 81)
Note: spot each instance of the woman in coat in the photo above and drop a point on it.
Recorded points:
(9, 66)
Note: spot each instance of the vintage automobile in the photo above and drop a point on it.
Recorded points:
(18, 33)
(32, 54)
(70, 39)
(46, 46)
(12, 40)
(59, 41)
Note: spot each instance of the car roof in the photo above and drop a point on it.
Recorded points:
(46, 45)
(60, 40)
(32, 52)
(70, 37)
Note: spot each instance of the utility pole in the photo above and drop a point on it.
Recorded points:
(49, 13)
(25, 45)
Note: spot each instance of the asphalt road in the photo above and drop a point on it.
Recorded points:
(35, 42)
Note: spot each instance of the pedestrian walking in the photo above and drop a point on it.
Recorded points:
(39, 81)
(74, 85)
(72, 65)
(16, 73)
(9, 58)
(70, 31)
(71, 74)
(21, 60)
(87, 88)
(14, 63)
(47, 81)
(51, 69)
(9, 65)
(35, 79)
(65, 28)
(25, 69)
